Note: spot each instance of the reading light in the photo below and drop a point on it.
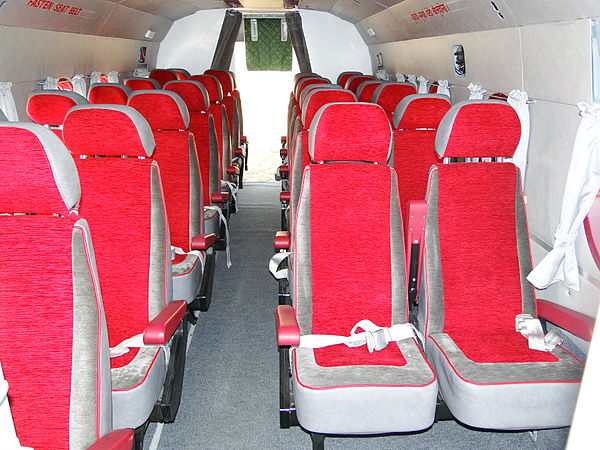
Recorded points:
(149, 34)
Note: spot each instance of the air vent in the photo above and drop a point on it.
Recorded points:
(370, 32)
(497, 10)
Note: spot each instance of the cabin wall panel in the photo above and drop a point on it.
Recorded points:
(557, 61)
(490, 59)
(31, 55)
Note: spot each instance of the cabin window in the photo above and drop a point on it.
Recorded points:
(460, 68)
(268, 45)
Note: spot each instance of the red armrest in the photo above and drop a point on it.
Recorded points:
(244, 140)
(284, 139)
(233, 170)
(285, 196)
(284, 169)
(574, 322)
(416, 216)
(288, 330)
(283, 152)
(282, 240)
(115, 440)
(162, 327)
(219, 197)
(240, 152)
(203, 241)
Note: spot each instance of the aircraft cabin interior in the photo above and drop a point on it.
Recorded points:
(293, 224)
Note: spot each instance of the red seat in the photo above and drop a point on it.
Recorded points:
(354, 81)
(163, 76)
(48, 107)
(109, 93)
(343, 77)
(476, 258)
(137, 83)
(365, 90)
(388, 95)
(124, 204)
(202, 125)
(56, 366)
(176, 155)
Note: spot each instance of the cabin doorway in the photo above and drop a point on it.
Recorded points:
(265, 96)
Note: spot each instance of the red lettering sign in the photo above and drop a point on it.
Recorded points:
(60, 8)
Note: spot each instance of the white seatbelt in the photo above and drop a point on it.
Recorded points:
(222, 218)
(531, 329)
(375, 337)
(180, 251)
(136, 341)
(234, 190)
(8, 434)
(274, 263)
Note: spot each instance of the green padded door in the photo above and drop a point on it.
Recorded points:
(268, 46)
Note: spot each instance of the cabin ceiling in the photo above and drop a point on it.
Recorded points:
(378, 21)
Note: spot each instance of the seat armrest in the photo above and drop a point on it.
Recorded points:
(240, 152)
(162, 327)
(283, 152)
(219, 197)
(115, 440)
(574, 322)
(288, 330)
(284, 140)
(243, 140)
(285, 196)
(416, 216)
(233, 170)
(282, 240)
(203, 241)
(284, 170)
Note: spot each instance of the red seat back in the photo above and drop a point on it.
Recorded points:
(137, 84)
(163, 76)
(109, 93)
(388, 95)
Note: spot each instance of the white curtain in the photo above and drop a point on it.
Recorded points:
(443, 87)
(7, 102)
(79, 85)
(412, 78)
(423, 84)
(518, 100)
(141, 72)
(400, 78)
(95, 77)
(113, 76)
(583, 182)
(50, 84)
(476, 92)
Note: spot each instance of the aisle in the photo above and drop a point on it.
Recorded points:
(231, 396)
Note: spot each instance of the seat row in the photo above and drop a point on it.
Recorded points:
(359, 353)
(113, 197)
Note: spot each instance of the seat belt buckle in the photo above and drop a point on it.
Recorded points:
(377, 340)
(520, 322)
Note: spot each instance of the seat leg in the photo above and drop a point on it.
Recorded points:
(318, 441)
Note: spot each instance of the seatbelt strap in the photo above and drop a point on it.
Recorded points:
(234, 190)
(375, 337)
(136, 341)
(8, 434)
(224, 221)
(180, 251)
(531, 328)
(274, 263)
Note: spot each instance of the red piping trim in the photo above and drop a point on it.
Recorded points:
(99, 308)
